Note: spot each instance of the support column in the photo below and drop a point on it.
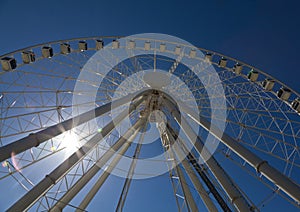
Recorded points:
(128, 179)
(229, 187)
(189, 171)
(186, 190)
(130, 134)
(260, 165)
(194, 163)
(188, 197)
(35, 139)
(51, 179)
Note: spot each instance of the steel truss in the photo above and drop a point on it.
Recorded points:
(256, 121)
(232, 191)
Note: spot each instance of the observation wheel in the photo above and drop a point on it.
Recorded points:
(144, 122)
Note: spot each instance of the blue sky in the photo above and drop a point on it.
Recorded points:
(264, 34)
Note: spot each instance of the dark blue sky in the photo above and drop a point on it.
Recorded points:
(264, 34)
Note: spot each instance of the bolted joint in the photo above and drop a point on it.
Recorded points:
(235, 198)
(259, 165)
(34, 137)
(51, 179)
(144, 113)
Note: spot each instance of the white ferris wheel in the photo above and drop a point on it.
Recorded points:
(83, 115)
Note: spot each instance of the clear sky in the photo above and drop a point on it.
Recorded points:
(264, 34)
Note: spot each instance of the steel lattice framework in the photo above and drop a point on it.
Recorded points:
(260, 141)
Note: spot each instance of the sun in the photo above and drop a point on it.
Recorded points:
(70, 141)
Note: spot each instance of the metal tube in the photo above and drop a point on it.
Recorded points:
(186, 190)
(112, 165)
(231, 190)
(261, 166)
(129, 176)
(189, 171)
(200, 189)
(193, 162)
(188, 197)
(35, 139)
(51, 179)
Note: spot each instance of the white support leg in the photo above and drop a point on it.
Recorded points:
(32, 196)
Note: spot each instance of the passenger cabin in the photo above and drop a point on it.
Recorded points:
(65, 48)
(28, 57)
(296, 104)
(268, 84)
(147, 45)
(177, 50)
(8, 63)
(193, 53)
(208, 57)
(237, 68)
(162, 47)
(284, 93)
(131, 44)
(99, 44)
(253, 75)
(115, 44)
(82, 46)
(223, 62)
(47, 51)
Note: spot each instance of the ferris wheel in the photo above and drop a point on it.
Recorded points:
(147, 121)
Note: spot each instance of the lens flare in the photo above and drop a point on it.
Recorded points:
(4, 164)
(15, 162)
(70, 141)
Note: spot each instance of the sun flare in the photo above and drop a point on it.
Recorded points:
(70, 141)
